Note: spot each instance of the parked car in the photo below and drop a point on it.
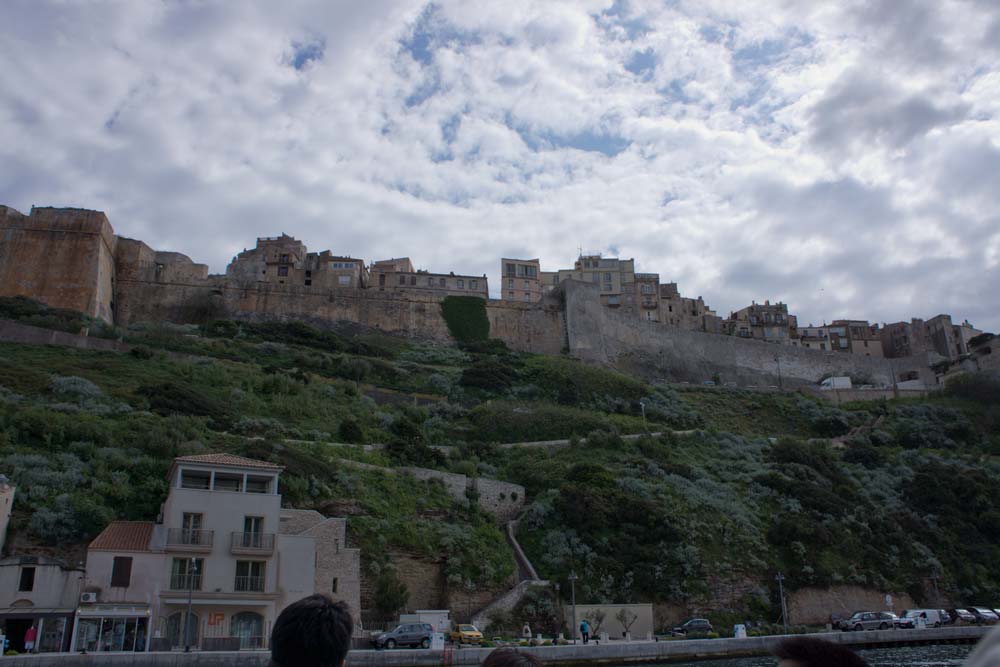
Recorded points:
(903, 622)
(962, 616)
(931, 617)
(405, 634)
(984, 616)
(466, 634)
(868, 620)
(694, 626)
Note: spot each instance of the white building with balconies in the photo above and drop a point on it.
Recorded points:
(216, 569)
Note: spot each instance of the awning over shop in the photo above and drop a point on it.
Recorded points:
(25, 612)
(106, 610)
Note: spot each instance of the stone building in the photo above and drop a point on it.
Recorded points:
(685, 313)
(938, 335)
(63, 257)
(521, 280)
(647, 296)
(769, 322)
(224, 545)
(615, 279)
(283, 260)
(7, 491)
(38, 592)
(847, 336)
(398, 275)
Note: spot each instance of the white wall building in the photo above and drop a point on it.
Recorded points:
(224, 548)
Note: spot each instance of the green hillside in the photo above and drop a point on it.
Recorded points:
(753, 485)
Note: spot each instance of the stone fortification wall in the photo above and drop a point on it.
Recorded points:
(602, 335)
(62, 257)
(504, 500)
(815, 605)
(14, 332)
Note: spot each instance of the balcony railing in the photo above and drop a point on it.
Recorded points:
(249, 585)
(183, 582)
(258, 543)
(186, 539)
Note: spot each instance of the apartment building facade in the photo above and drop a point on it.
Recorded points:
(223, 549)
(398, 275)
(614, 277)
(685, 313)
(284, 260)
(521, 280)
(769, 322)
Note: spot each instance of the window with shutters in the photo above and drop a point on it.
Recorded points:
(121, 572)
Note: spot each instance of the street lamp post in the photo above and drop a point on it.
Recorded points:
(572, 589)
(559, 610)
(192, 568)
(781, 594)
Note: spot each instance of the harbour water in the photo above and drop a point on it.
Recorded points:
(904, 656)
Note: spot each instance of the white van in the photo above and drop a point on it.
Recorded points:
(930, 617)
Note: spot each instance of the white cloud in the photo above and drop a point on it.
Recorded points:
(839, 157)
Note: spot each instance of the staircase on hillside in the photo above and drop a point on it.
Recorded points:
(527, 576)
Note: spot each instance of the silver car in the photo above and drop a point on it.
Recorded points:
(868, 620)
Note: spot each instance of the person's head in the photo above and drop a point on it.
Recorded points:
(313, 632)
(812, 652)
(508, 657)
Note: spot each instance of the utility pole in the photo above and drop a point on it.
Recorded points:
(192, 567)
(572, 584)
(781, 593)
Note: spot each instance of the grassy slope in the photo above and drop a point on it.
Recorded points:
(645, 520)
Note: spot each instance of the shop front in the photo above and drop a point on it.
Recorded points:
(112, 628)
(214, 627)
(53, 628)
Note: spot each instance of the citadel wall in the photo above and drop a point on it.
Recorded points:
(603, 335)
(62, 257)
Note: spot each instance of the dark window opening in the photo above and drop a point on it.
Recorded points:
(333, 586)
(27, 582)
(309, 282)
(282, 270)
(121, 571)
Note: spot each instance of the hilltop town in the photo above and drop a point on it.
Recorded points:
(72, 258)
(395, 438)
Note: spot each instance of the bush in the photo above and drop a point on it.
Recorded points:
(488, 374)
(170, 398)
(350, 431)
(391, 594)
(980, 387)
(141, 352)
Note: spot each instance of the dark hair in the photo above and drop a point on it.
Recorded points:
(813, 652)
(313, 632)
(508, 657)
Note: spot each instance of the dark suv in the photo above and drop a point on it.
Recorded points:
(405, 634)
(696, 626)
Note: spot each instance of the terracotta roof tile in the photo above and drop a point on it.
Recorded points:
(227, 460)
(124, 536)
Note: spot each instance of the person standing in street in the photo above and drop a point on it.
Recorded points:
(526, 631)
(585, 630)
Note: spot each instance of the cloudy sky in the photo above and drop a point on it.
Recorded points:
(843, 157)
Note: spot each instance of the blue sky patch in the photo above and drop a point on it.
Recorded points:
(304, 53)
(642, 63)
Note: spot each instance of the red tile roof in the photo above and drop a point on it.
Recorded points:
(124, 536)
(227, 460)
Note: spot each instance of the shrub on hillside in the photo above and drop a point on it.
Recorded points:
(928, 425)
(351, 431)
(171, 398)
(980, 387)
(488, 374)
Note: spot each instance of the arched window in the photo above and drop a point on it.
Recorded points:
(249, 627)
(175, 626)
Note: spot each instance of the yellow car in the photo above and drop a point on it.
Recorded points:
(466, 634)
